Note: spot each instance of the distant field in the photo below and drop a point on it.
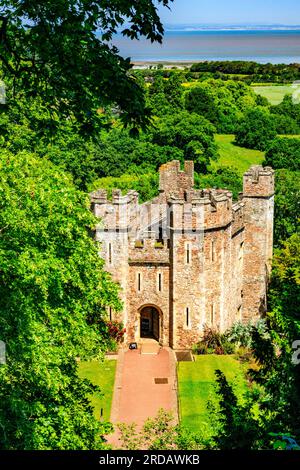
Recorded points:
(236, 157)
(103, 375)
(196, 387)
(274, 93)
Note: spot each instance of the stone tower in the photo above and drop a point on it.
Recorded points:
(258, 197)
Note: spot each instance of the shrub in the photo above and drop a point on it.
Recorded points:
(211, 338)
(199, 349)
(116, 330)
(228, 347)
(240, 334)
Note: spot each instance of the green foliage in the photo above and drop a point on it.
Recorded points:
(237, 428)
(288, 109)
(160, 433)
(201, 100)
(221, 102)
(283, 153)
(240, 333)
(256, 130)
(223, 178)
(251, 72)
(53, 295)
(146, 185)
(166, 96)
(285, 125)
(281, 441)
(56, 52)
(192, 134)
(285, 289)
(287, 194)
(213, 342)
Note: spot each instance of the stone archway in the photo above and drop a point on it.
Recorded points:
(150, 326)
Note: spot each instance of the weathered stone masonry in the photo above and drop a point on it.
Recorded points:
(188, 258)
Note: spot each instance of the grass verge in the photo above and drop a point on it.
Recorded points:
(103, 375)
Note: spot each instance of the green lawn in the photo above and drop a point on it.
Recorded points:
(274, 93)
(233, 156)
(102, 374)
(196, 387)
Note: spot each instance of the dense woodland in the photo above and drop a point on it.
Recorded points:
(78, 117)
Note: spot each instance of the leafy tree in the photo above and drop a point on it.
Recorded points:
(287, 193)
(191, 133)
(165, 96)
(174, 92)
(237, 428)
(53, 296)
(256, 130)
(221, 102)
(160, 433)
(145, 184)
(287, 108)
(202, 101)
(283, 153)
(286, 125)
(223, 178)
(61, 52)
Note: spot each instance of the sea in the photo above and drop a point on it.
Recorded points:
(263, 46)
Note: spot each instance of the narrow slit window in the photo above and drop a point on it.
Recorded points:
(139, 282)
(110, 314)
(188, 253)
(187, 317)
(109, 253)
(212, 314)
(159, 282)
(241, 254)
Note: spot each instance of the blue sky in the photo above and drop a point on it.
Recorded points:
(232, 12)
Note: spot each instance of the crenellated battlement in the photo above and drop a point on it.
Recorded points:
(258, 182)
(173, 179)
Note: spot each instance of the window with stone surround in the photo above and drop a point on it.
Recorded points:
(139, 282)
(159, 282)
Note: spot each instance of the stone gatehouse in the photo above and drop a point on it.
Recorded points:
(189, 257)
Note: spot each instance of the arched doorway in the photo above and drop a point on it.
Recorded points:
(150, 323)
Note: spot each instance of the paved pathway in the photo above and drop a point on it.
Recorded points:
(136, 395)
